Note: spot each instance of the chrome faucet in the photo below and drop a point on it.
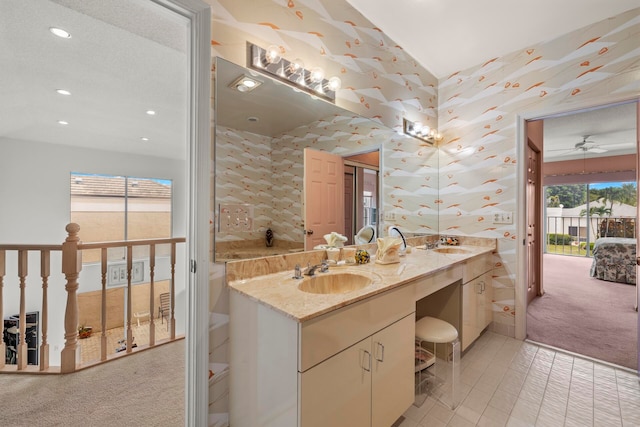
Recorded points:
(432, 245)
(297, 274)
(311, 270)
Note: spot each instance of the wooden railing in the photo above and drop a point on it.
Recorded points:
(71, 251)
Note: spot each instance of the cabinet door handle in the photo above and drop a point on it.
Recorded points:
(368, 361)
(482, 286)
(380, 352)
(478, 288)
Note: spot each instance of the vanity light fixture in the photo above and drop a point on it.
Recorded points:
(423, 133)
(245, 83)
(63, 34)
(269, 61)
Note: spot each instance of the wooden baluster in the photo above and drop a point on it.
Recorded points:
(71, 267)
(45, 272)
(152, 267)
(103, 315)
(22, 326)
(173, 291)
(129, 300)
(3, 349)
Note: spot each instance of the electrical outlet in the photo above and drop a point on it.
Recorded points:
(502, 217)
(389, 216)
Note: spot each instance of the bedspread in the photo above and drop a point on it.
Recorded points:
(614, 260)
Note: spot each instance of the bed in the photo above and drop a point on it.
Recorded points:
(614, 260)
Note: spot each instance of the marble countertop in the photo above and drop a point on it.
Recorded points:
(280, 290)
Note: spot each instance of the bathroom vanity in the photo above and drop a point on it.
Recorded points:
(337, 349)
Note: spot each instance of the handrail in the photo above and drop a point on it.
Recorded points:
(28, 247)
(71, 267)
(121, 243)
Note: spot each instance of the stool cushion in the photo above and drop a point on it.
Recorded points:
(435, 330)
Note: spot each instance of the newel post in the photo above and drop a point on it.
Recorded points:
(71, 267)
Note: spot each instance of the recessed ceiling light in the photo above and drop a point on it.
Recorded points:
(245, 83)
(151, 112)
(144, 138)
(63, 92)
(60, 32)
(62, 122)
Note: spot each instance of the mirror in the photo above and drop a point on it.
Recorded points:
(260, 137)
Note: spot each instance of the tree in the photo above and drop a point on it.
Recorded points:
(569, 196)
(629, 194)
(600, 211)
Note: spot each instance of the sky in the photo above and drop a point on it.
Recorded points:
(601, 185)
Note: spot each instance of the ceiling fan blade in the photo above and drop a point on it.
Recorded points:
(597, 150)
(570, 152)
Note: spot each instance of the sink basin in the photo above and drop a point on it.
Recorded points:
(338, 283)
(450, 250)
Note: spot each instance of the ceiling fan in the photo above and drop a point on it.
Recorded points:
(583, 146)
(586, 145)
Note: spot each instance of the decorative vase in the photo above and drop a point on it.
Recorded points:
(269, 238)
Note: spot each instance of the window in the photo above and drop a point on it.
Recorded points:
(109, 208)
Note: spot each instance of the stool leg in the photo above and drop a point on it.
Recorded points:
(455, 373)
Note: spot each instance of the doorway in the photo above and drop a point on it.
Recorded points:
(598, 144)
(93, 118)
(361, 193)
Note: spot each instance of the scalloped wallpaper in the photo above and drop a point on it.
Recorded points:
(475, 109)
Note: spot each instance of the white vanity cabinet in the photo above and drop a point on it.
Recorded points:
(476, 298)
(350, 367)
(368, 384)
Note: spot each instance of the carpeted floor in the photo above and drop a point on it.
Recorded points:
(144, 389)
(584, 315)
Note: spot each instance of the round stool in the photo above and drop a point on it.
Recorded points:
(437, 331)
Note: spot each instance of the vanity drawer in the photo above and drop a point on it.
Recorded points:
(476, 267)
(426, 286)
(333, 332)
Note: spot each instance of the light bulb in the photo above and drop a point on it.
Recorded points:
(334, 83)
(248, 83)
(296, 66)
(317, 74)
(272, 54)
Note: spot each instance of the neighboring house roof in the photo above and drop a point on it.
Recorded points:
(619, 210)
(105, 186)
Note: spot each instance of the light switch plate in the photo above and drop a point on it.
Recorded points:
(502, 217)
(235, 217)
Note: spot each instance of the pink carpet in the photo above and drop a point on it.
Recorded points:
(584, 315)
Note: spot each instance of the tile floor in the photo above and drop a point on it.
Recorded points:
(507, 382)
(90, 347)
